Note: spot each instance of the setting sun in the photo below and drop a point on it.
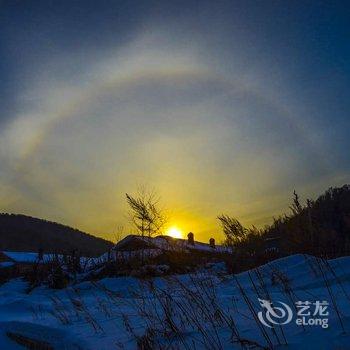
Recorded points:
(174, 232)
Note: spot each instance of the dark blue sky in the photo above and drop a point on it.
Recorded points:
(219, 106)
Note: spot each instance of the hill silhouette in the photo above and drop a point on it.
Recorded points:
(25, 233)
(319, 227)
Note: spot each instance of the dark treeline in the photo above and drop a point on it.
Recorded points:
(319, 227)
(25, 233)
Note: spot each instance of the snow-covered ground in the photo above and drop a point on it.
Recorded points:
(207, 310)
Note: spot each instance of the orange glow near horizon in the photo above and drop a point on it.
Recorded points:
(175, 232)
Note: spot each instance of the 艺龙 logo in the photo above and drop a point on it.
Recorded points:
(307, 313)
(274, 315)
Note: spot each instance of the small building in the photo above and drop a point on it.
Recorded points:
(18, 262)
(137, 246)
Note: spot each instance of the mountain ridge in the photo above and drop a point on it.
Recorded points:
(20, 232)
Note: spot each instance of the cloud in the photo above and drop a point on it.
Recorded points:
(208, 135)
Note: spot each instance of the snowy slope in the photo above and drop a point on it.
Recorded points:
(99, 315)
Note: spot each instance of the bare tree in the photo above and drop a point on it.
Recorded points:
(145, 214)
(296, 206)
(233, 230)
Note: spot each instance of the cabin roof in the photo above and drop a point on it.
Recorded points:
(163, 242)
(4, 257)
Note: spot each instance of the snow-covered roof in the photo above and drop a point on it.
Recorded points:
(31, 257)
(28, 257)
(22, 257)
(11, 258)
(168, 243)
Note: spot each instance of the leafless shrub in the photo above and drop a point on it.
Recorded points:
(83, 311)
(60, 311)
(262, 292)
(183, 315)
(321, 264)
(253, 313)
(37, 312)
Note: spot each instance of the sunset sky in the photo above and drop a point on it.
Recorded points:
(217, 106)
